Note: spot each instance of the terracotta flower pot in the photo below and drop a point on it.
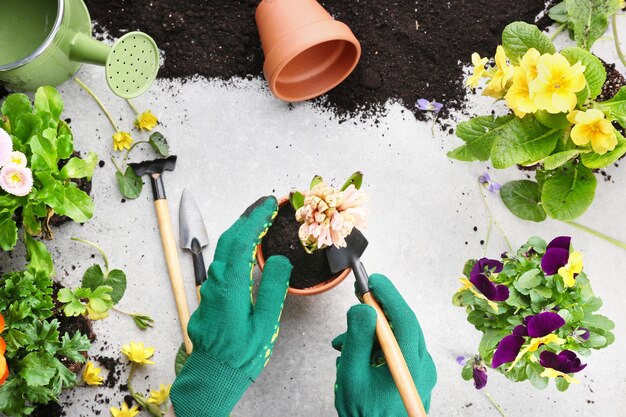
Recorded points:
(316, 289)
(306, 51)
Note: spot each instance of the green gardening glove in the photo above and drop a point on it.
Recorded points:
(232, 337)
(364, 386)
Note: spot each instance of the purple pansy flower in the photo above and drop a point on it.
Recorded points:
(557, 255)
(566, 361)
(492, 186)
(536, 326)
(585, 335)
(480, 376)
(480, 280)
(425, 105)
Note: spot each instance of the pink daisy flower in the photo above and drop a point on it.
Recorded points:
(6, 147)
(16, 180)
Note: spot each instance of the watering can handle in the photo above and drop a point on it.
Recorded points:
(85, 49)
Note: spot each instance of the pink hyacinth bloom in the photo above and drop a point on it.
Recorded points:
(16, 180)
(6, 147)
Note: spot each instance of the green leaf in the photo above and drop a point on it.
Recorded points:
(523, 198)
(181, 359)
(533, 371)
(561, 384)
(597, 321)
(596, 341)
(116, 279)
(519, 37)
(143, 321)
(31, 216)
(355, 179)
(72, 346)
(478, 133)
(462, 153)
(569, 192)
(35, 369)
(48, 100)
(27, 126)
(44, 154)
(65, 140)
(38, 256)
(538, 244)
(129, 183)
(316, 180)
(595, 74)
(296, 198)
(490, 340)
(529, 279)
(8, 230)
(14, 106)
(77, 205)
(523, 141)
(615, 108)
(159, 144)
(467, 373)
(557, 160)
(558, 13)
(593, 160)
(73, 305)
(553, 121)
(80, 168)
(589, 19)
(100, 299)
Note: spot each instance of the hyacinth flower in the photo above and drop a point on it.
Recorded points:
(561, 365)
(492, 186)
(539, 328)
(559, 260)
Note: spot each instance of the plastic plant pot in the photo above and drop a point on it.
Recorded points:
(316, 289)
(307, 52)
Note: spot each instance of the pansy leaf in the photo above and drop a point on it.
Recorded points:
(533, 371)
(159, 144)
(615, 108)
(490, 340)
(595, 74)
(468, 370)
(596, 341)
(594, 161)
(8, 230)
(561, 384)
(538, 244)
(478, 135)
(559, 159)
(129, 183)
(529, 279)
(589, 19)
(568, 193)
(597, 321)
(523, 198)
(519, 37)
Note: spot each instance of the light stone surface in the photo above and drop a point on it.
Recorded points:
(235, 142)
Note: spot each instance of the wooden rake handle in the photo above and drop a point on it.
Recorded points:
(395, 360)
(170, 250)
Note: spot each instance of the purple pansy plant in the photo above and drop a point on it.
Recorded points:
(479, 277)
(539, 325)
(479, 374)
(492, 186)
(425, 105)
(557, 255)
(566, 361)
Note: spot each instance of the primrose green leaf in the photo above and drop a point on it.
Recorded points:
(32, 214)
(523, 141)
(296, 198)
(159, 144)
(77, 205)
(94, 277)
(8, 230)
(558, 13)
(594, 161)
(14, 106)
(615, 108)
(519, 37)
(44, 154)
(479, 134)
(523, 198)
(462, 153)
(129, 183)
(588, 19)
(553, 121)
(181, 359)
(34, 368)
(355, 179)
(595, 74)
(569, 192)
(48, 100)
(529, 279)
(557, 160)
(80, 168)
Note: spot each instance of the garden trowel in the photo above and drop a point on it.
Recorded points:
(350, 257)
(193, 235)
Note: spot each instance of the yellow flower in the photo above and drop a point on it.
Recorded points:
(122, 140)
(146, 121)
(534, 344)
(557, 83)
(160, 396)
(124, 411)
(553, 373)
(138, 353)
(479, 70)
(529, 63)
(503, 74)
(91, 374)
(622, 4)
(518, 97)
(592, 126)
(573, 267)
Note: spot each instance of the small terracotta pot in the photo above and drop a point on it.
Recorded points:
(317, 289)
(306, 51)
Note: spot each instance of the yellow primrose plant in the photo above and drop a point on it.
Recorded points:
(556, 124)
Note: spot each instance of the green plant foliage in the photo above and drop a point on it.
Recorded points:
(159, 144)
(129, 183)
(523, 198)
(615, 108)
(568, 192)
(519, 37)
(355, 179)
(587, 20)
(479, 134)
(595, 161)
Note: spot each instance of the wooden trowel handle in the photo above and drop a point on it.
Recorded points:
(395, 360)
(173, 266)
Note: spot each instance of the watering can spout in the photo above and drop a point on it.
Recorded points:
(87, 50)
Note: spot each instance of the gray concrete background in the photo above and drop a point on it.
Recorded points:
(235, 142)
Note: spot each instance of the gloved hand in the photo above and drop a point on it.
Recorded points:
(364, 386)
(232, 338)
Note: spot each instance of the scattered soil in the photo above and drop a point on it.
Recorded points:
(411, 49)
(614, 81)
(282, 239)
(49, 410)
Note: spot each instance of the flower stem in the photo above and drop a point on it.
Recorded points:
(490, 398)
(95, 97)
(104, 255)
(620, 54)
(132, 106)
(116, 165)
(131, 374)
(597, 234)
(132, 147)
(492, 218)
(558, 30)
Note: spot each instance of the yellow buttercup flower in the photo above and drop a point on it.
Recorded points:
(573, 267)
(122, 140)
(529, 63)
(479, 70)
(91, 374)
(146, 121)
(557, 83)
(592, 126)
(138, 353)
(124, 411)
(503, 74)
(160, 396)
(553, 373)
(518, 97)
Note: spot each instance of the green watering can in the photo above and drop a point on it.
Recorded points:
(44, 42)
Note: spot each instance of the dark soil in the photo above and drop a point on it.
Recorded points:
(411, 49)
(615, 80)
(49, 410)
(282, 239)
